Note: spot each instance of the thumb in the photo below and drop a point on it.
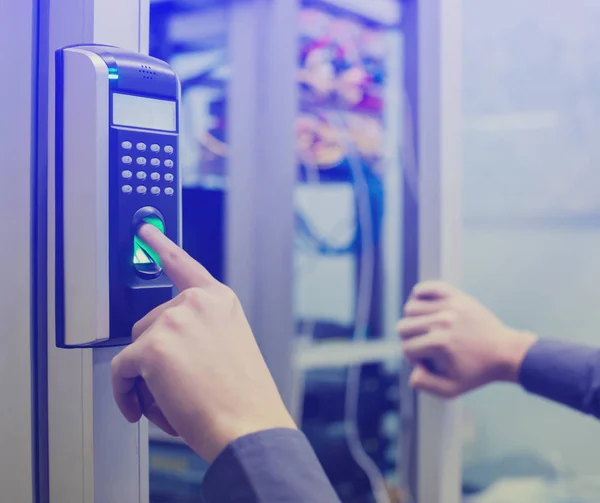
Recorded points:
(423, 380)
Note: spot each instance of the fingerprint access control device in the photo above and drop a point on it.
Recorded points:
(117, 129)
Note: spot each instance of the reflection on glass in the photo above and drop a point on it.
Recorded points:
(347, 131)
(531, 202)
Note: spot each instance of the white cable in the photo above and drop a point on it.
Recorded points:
(312, 178)
(364, 295)
(361, 323)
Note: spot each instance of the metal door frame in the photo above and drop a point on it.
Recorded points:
(95, 456)
(260, 202)
(17, 311)
(439, 102)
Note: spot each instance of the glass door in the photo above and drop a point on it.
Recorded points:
(532, 219)
(18, 473)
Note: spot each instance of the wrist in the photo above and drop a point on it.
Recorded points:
(513, 349)
(224, 435)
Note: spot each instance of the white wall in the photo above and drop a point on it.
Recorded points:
(16, 28)
(531, 105)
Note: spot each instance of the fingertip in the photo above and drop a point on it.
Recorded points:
(430, 290)
(414, 380)
(178, 265)
(404, 332)
(124, 372)
(130, 407)
(133, 418)
(155, 416)
(158, 241)
(409, 307)
(410, 327)
(423, 380)
(148, 231)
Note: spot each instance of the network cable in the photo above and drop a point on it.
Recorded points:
(313, 178)
(366, 236)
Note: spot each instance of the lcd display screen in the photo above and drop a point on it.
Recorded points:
(142, 112)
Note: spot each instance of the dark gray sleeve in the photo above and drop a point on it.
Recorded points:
(273, 466)
(565, 373)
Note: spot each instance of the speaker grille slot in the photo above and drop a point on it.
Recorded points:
(147, 72)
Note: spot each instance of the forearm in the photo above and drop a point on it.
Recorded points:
(268, 467)
(565, 373)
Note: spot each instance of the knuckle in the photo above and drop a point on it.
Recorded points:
(155, 351)
(114, 364)
(195, 298)
(410, 307)
(172, 257)
(136, 327)
(447, 319)
(401, 326)
(172, 319)
(447, 394)
(229, 296)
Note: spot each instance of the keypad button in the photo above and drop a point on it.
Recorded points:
(126, 145)
(141, 161)
(141, 189)
(169, 177)
(155, 162)
(155, 176)
(169, 191)
(126, 159)
(155, 191)
(141, 147)
(126, 189)
(169, 163)
(141, 175)
(169, 149)
(127, 174)
(155, 147)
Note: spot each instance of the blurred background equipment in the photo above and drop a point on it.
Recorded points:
(347, 363)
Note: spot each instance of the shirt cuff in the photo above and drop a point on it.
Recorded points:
(271, 465)
(559, 371)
